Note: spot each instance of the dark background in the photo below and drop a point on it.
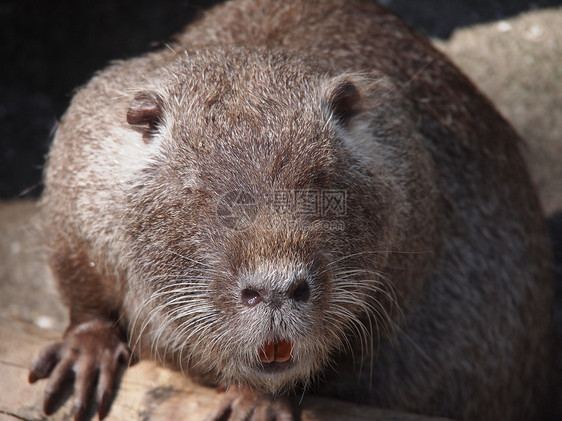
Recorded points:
(48, 48)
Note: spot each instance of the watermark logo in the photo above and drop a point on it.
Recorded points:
(238, 209)
(334, 202)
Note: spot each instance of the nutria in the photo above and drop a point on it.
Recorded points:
(299, 196)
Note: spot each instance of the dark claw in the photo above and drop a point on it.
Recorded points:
(62, 373)
(110, 365)
(84, 385)
(43, 365)
(123, 355)
(103, 404)
(105, 387)
(81, 413)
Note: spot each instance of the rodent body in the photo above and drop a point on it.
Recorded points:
(429, 289)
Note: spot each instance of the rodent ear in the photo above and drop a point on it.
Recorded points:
(344, 100)
(145, 113)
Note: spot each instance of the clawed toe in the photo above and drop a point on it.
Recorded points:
(59, 377)
(91, 357)
(240, 403)
(45, 362)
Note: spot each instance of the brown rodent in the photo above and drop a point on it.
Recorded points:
(299, 195)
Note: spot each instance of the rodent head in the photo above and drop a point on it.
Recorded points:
(260, 233)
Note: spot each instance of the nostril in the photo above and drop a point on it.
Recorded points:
(251, 297)
(300, 291)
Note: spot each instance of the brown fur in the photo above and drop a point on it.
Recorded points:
(435, 298)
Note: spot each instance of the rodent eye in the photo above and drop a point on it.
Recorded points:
(145, 113)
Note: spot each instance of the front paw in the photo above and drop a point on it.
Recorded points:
(92, 354)
(240, 403)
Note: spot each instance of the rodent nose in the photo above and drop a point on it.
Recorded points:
(251, 297)
(298, 291)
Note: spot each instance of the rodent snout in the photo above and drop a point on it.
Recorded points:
(298, 291)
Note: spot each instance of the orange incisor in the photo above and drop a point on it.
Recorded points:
(276, 351)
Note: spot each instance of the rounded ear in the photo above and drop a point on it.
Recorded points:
(343, 99)
(145, 113)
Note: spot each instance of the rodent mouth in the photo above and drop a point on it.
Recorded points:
(276, 352)
(276, 356)
(275, 366)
